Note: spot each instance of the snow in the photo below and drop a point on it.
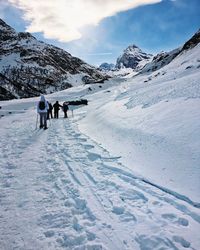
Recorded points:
(9, 60)
(121, 173)
(75, 80)
(154, 126)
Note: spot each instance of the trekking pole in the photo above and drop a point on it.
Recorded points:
(36, 122)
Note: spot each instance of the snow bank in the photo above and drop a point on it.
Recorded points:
(154, 126)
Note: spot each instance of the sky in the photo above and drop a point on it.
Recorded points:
(98, 31)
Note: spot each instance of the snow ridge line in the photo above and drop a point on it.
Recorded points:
(173, 193)
(166, 190)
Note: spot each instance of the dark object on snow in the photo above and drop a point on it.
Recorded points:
(65, 109)
(49, 112)
(42, 109)
(79, 102)
(192, 42)
(56, 107)
(41, 105)
(0, 107)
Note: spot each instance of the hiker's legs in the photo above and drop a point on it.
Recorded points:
(45, 120)
(41, 120)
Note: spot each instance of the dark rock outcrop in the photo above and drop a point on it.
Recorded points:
(29, 67)
(191, 43)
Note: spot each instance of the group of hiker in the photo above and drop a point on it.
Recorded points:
(46, 110)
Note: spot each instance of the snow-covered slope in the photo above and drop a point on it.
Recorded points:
(29, 67)
(60, 189)
(122, 173)
(133, 57)
(152, 122)
(164, 58)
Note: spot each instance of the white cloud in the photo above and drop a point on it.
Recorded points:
(63, 19)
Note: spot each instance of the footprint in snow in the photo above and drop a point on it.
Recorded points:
(49, 234)
(118, 210)
(128, 217)
(184, 243)
(173, 218)
(87, 146)
(93, 156)
(81, 139)
(147, 242)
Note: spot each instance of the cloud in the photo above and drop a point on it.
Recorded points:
(63, 19)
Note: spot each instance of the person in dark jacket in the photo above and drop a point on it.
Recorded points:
(65, 108)
(49, 113)
(56, 108)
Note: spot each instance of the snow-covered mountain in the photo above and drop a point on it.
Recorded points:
(29, 67)
(107, 66)
(133, 57)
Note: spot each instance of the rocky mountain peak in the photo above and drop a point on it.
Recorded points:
(132, 49)
(132, 57)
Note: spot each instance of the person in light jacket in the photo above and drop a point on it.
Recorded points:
(42, 109)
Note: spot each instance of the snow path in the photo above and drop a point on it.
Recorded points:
(61, 190)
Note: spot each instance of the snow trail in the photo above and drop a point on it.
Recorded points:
(61, 190)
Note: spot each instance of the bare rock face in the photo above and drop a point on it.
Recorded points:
(191, 43)
(160, 60)
(133, 57)
(29, 67)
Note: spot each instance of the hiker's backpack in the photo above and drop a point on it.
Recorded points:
(41, 105)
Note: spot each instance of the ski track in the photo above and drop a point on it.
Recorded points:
(61, 190)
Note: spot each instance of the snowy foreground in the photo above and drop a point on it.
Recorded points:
(122, 173)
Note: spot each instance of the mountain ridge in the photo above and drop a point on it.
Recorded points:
(29, 67)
